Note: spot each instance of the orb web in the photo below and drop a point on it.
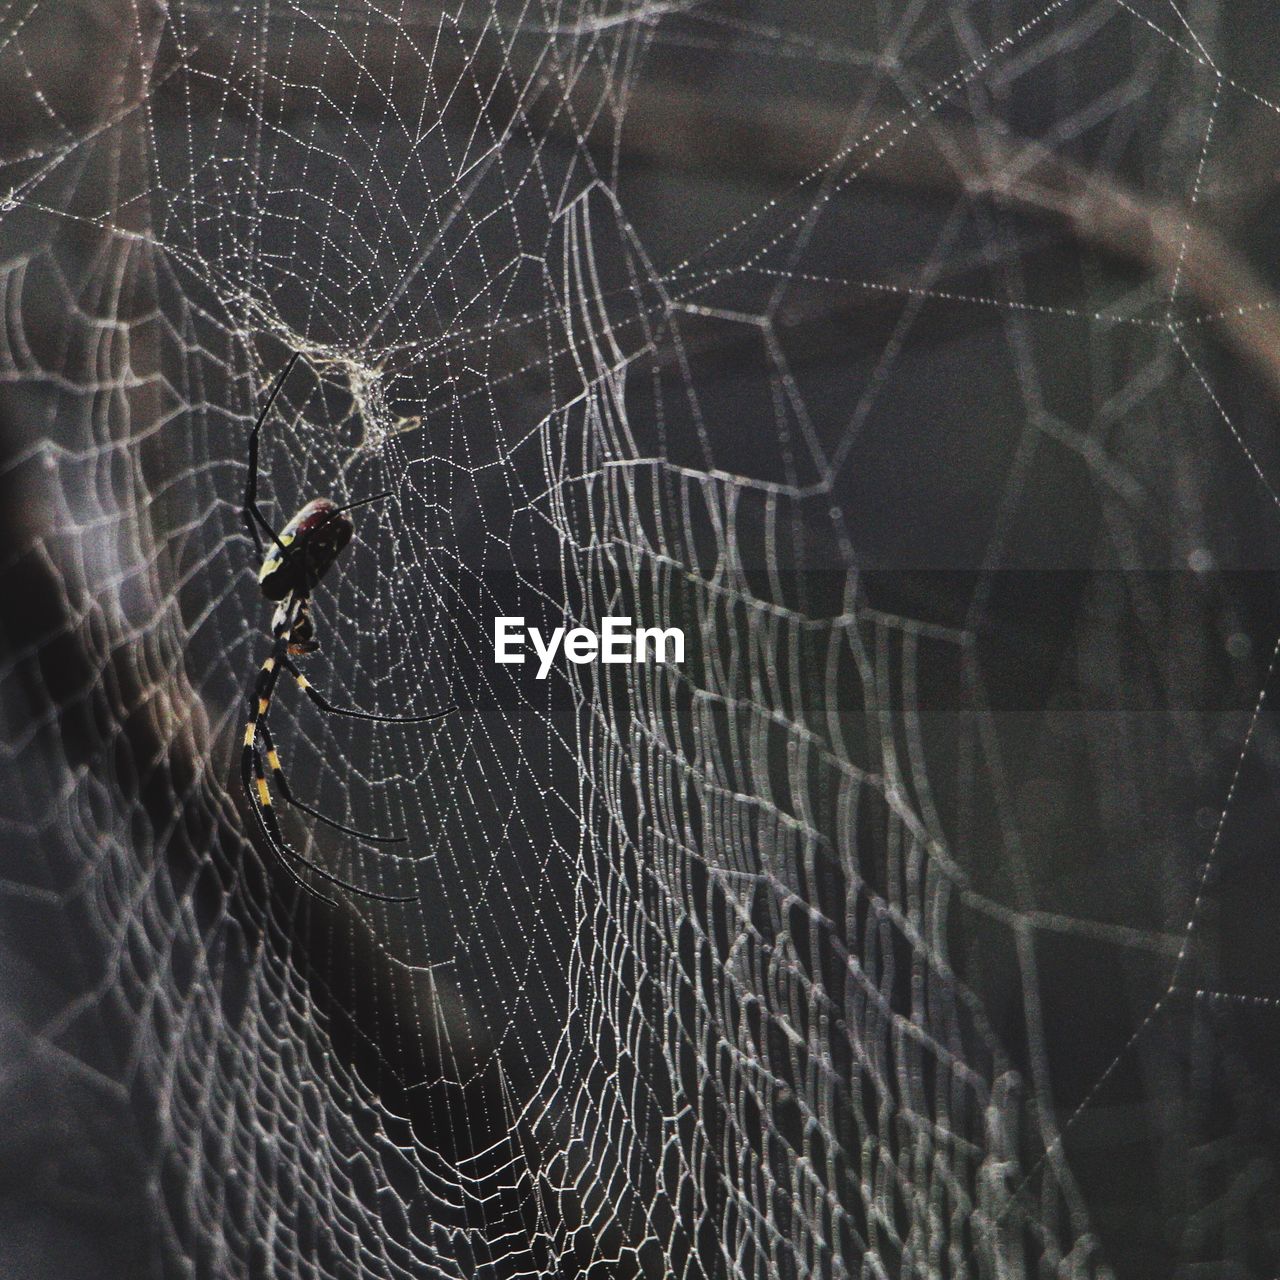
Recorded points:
(922, 383)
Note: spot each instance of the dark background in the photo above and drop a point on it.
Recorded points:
(921, 362)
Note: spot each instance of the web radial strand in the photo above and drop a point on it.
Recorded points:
(879, 937)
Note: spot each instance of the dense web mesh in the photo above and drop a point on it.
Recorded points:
(911, 359)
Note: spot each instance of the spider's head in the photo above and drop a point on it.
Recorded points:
(312, 541)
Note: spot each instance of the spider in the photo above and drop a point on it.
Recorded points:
(289, 570)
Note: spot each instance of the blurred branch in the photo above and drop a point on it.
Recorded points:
(791, 141)
(778, 143)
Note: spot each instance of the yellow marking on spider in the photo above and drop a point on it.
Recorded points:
(269, 665)
(262, 706)
(249, 732)
(263, 794)
(302, 682)
(273, 760)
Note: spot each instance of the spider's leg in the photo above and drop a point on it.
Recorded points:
(251, 771)
(287, 854)
(255, 779)
(277, 773)
(263, 688)
(363, 502)
(252, 516)
(325, 705)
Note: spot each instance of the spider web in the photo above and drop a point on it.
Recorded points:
(912, 360)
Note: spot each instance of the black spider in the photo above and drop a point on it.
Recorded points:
(298, 557)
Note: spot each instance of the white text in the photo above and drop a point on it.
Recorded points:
(615, 642)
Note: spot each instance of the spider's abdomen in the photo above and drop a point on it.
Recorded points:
(312, 541)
